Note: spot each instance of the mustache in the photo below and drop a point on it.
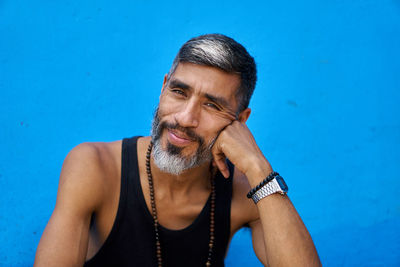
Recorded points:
(187, 131)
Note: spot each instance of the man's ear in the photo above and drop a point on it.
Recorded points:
(164, 82)
(244, 115)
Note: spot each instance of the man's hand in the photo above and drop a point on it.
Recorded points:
(279, 236)
(237, 143)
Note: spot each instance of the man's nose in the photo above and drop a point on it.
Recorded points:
(189, 115)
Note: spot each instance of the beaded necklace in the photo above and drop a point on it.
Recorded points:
(155, 218)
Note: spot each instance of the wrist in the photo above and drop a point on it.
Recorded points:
(264, 182)
(258, 171)
(274, 183)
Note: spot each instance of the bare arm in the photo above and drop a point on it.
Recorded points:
(279, 236)
(65, 239)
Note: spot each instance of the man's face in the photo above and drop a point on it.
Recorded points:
(195, 105)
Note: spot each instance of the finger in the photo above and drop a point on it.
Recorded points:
(220, 161)
(213, 163)
(223, 168)
(218, 155)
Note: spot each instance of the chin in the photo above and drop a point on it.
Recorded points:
(171, 159)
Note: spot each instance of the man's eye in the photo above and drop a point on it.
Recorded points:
(178, 92)
(213, 106)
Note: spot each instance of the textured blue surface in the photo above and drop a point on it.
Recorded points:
(325, 111)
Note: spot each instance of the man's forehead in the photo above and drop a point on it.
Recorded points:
(216, 81)
(186, 65)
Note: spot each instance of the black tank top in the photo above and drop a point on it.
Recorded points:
(131, 241)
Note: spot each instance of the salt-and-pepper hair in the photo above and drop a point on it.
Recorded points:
(220, 51)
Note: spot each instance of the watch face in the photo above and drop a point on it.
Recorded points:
(282, 183)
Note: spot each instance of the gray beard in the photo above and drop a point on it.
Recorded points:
(170, 160)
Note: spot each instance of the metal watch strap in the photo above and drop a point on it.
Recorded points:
(268, 189)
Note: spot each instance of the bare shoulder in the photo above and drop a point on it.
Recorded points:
(87, 182)
(87, 170)
(243, 210)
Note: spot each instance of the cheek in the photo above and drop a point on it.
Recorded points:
(215, 120)
(167, 107)
(211, 126)
(211, 123)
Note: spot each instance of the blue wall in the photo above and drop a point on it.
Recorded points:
(325, 111)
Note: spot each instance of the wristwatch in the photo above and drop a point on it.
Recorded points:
(276, 185)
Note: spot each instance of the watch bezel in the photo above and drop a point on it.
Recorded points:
(282, 184)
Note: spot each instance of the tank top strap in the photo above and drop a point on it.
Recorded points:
(130, 166)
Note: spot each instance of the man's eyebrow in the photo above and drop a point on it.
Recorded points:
(175, 83)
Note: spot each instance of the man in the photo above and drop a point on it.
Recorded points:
(176, 198)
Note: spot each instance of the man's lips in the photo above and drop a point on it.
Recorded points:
(178, 138)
